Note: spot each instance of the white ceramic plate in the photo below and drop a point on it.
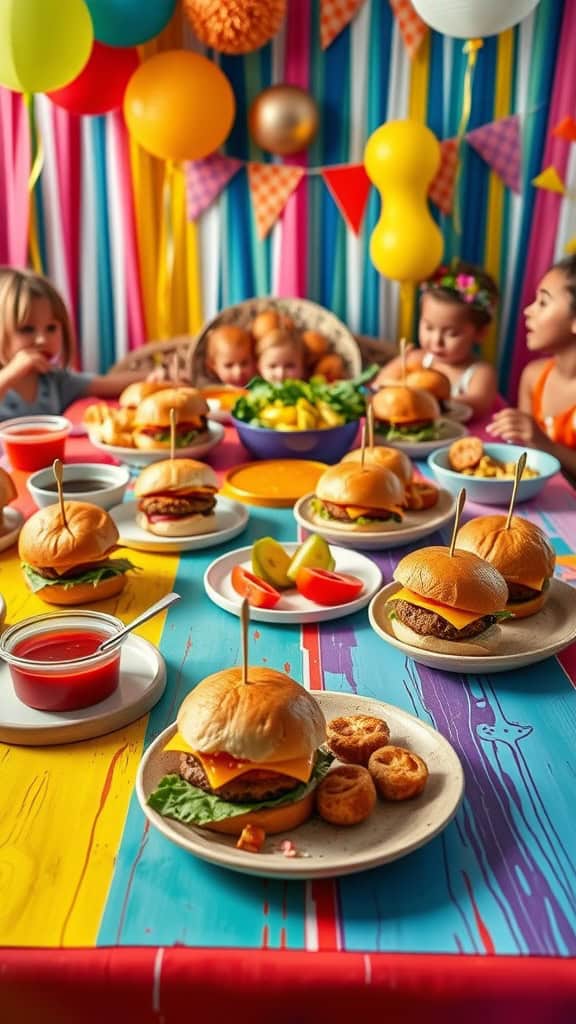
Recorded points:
(217, 413)
(458, 411)
(231, 519)
(449, 431)
(142, 683)
(292, 607)
(324, 851)
(139, 458)
(519, 643)
(13, 522)
(392, 535)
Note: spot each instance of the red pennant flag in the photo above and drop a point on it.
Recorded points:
(441, 190)
(271, 186)
(412, 28)
(565, 129)
(349, 188)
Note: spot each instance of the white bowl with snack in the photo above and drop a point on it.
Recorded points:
(98, 483)
(487, 470)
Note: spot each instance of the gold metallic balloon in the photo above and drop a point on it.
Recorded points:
(283, 119)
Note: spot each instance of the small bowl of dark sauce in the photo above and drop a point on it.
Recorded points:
(96, 483)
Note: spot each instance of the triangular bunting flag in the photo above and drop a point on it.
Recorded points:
(566, 129)
(498, 143)
(334, 16)
(412, 28)
(441, 191)
(271, 186)
(205, 180)
(349, 188)
(550, 180)
(570, 247)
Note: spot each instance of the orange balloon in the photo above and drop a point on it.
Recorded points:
(179, 106)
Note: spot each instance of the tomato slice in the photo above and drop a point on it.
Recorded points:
(259, 593)
(325, 587)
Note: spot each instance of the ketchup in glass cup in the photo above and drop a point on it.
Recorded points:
(32, 442)
(54, 663)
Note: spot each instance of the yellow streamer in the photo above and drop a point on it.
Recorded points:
(37, 153)
(471, 48)
(166, 255)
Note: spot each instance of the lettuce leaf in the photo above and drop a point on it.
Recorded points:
(180, 440)
(115, 567)
(176, 798)
(431, 432)
(319, 509)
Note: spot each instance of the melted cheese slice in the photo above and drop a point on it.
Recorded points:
(219, 769)
(454, 616)
(355, 511)
(535, 582)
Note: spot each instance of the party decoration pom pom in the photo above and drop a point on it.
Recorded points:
(235, 26)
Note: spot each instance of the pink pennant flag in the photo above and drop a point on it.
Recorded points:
(412, 28)
(441, 190)
(499, 144)
(205, 180)
(349, 187)
(271, 186)
(334, 16)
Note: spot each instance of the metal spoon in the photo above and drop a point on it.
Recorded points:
(118, 637)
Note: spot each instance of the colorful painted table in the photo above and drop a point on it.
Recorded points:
(101, 915)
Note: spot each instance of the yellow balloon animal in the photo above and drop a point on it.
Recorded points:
(402, 158)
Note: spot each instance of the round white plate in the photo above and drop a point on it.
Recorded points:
(449, 431)
(458, 411)
(519, 642)
(13, 521)
(324, 851)
(392, 535)
(142, 683)
(231, 519)
(292, 607)
(216, 413)
(138, 457)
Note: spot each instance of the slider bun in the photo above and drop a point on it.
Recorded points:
(137, 392)
(477, 647)
(430, 380)
(44, 542)
(7, 489)
(174, 475)
(149, 444)
(461, 581)
(390, 458)
(370, 485)
(521, 553)
(154, 411)
(180, 526)
(271, 819)
(272, 718)
(396, 403)
(82, 593)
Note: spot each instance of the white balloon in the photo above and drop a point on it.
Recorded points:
(468, 19)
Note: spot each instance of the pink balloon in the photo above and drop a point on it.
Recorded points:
(100, 86)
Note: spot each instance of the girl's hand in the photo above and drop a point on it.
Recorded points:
(24, 362)
(514, 425)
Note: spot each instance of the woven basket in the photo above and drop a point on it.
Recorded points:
(307, 316)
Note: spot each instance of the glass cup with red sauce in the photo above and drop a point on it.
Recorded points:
(54, 660)
(32, 442)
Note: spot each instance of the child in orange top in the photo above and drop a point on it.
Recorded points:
(280, 356)
(230, 355)
(546, 413)
(458, 304)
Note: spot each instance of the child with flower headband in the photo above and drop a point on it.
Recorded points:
(458, 303)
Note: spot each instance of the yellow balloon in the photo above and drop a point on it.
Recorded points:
(179, 106)
(44, 44)
(402, 158)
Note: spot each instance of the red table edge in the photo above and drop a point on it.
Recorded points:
(155, 984)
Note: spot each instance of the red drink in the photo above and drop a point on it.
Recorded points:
(77, 684)
(35, 441)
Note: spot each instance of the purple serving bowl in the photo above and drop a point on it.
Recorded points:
(328, 445)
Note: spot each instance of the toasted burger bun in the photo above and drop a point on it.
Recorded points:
(397, 403)
(390, 458)
(7, 489)
(272, 718)
(476, 647)
(370, 485)
(179, 526)
(462, 580)
(272, 819)
(82, 593)
(136, 393)
(154, 411)
(523, 609)
(45, 543)
(175, 475)
(433, 381)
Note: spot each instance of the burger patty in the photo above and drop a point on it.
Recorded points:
(518, 592)
(253, 785)
(78, 570)
(203, 504)
(428, 623)
(339, 512)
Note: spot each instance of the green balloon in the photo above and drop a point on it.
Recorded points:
(44, 44)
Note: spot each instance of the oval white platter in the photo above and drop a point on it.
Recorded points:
(142, 683)
(292, 607)
(231, 519)
(393, 830)
(449, 431)
(139, 457)
(518, 643)
(414, 526)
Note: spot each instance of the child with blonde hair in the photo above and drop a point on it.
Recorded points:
(230, 355)
(280, 355)
(37, 346)
(546, 413)
(458, 304)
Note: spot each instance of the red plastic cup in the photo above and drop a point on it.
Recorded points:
(33, 442)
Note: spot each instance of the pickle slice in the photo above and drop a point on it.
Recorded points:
(270, 562)
(314, 553)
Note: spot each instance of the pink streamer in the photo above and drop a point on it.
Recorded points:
(67, 141)
(14, 171)
(547, 205)
(293, 256)
(134, 304)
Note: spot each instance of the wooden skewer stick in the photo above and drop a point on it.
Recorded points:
(519, 469)
(363, 448)
(58, 470)
(172, 432)
(370, 424)
(244, 625)
(403, 348)
(459, 506)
